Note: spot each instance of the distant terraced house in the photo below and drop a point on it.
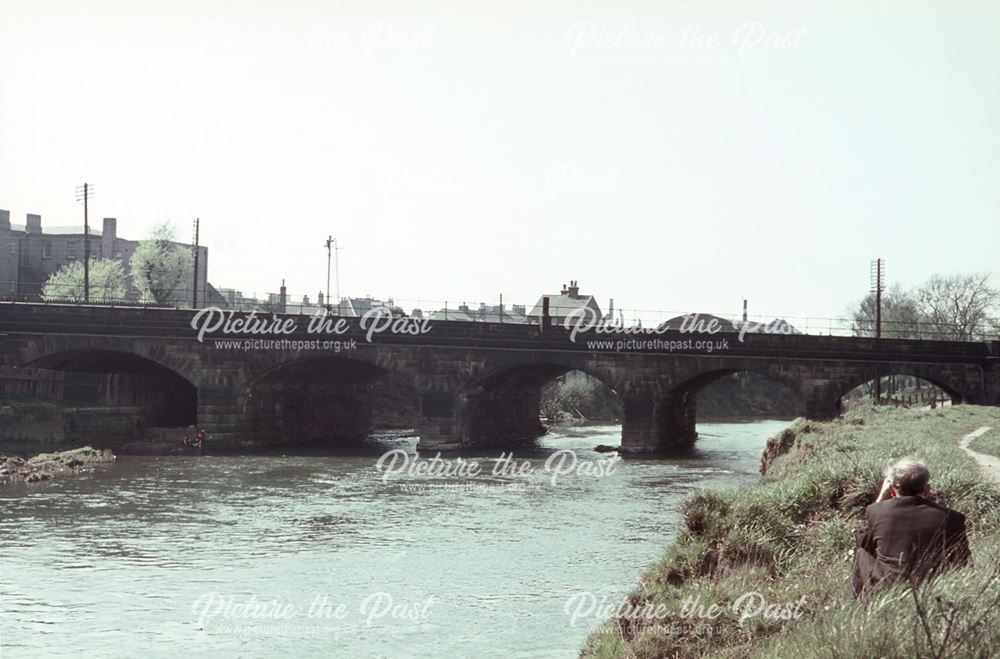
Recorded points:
(565, 303)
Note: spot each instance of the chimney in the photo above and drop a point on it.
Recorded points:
(282, 298)
(319, 298)
(4, 220)
(108, 235)
(744, 311)
(34, 223)
(574, 290)
(611, 309)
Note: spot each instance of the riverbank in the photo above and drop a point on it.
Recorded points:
(15, 469)
(786, 541)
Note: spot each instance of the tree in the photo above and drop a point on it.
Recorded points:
(901, 317)
(960, 307)
(107, 282)
(161, 268)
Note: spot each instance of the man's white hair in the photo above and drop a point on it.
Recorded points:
(908, 476)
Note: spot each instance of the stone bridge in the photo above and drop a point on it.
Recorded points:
(467, 384)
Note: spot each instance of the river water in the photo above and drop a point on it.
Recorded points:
(326, 555)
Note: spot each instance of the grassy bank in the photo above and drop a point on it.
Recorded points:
(988, 443)
(790, 537)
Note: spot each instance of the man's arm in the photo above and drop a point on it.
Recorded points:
(958, 541)
(865, 536)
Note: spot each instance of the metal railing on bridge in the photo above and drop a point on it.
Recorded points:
(505, 312)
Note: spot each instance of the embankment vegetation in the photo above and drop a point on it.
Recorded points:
(790, 538)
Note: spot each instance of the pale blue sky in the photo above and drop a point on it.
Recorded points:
(462, 149)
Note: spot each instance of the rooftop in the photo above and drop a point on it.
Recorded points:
(58, 231)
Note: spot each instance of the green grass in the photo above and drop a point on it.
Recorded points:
(791, 535)
(988, 443)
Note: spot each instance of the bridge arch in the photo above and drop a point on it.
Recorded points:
(327, 398)
(953, 388)
(783, 384)
(46, 350)
(667, 421)
(501, 405)
(104, 377)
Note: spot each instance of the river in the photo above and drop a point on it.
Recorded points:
(324, 555)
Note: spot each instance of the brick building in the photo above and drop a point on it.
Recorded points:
(30, 253)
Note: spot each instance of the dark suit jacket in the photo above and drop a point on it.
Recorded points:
(909, 538)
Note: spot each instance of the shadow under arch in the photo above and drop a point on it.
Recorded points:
(678, 411)
(112, 378)
(503, 407)
(905, 385)
(328, 400)
(742, 393)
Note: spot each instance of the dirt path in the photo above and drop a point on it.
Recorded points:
(990, 464)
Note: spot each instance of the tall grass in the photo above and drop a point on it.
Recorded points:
(791, 536)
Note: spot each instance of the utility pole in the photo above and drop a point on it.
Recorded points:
(194, 247)
(331, 251)
(878, 285)
(84, 193)
(336, 267)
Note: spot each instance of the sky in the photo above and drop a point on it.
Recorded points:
(673, 155)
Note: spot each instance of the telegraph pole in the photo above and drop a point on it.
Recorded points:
(878, 285)
(336, 267)
(84, 193)
(194, 288)
(331, 252)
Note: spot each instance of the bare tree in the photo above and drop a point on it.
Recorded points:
(960, 307)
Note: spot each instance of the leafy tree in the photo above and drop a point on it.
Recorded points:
(960, 307)
(901, 317)
(107, 281)
(161, 269)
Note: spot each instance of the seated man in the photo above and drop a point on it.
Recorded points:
(905, 535)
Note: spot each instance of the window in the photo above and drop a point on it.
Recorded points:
(13, 247)
(71, 250)
(47, 250)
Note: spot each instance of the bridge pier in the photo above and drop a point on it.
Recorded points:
(479, 419)
(822, 399)
(659, 425)
(823, 409)
(223, 418)
(442, 424)
(503, 418)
